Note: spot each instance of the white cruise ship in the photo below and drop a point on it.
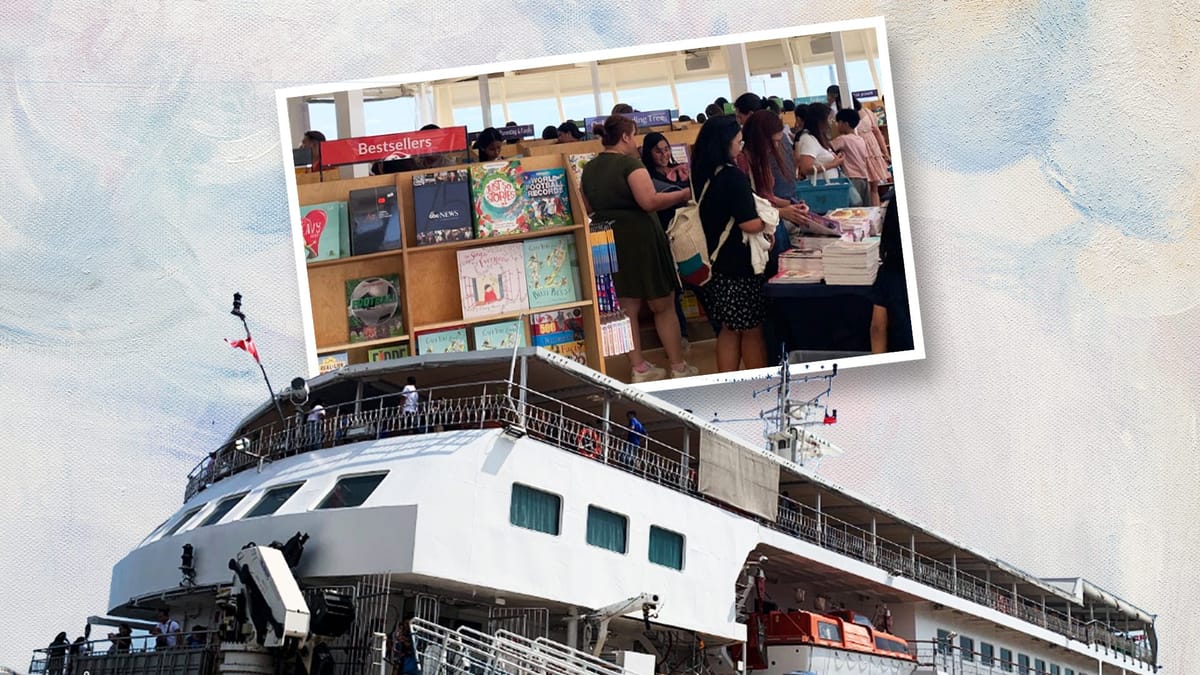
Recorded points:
(505, 521)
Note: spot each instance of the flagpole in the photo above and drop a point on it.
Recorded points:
(237, 311)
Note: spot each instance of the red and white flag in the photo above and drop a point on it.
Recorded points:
(247, 345)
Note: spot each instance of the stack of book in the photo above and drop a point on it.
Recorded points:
(800, 266)
(851, 263)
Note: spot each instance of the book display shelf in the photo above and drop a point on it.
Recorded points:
(442, 304)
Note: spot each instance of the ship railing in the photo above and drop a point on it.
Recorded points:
(194, 654)
(952, 659)
(441, 651)
(809, 524)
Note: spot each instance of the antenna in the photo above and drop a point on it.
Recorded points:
(786, 424)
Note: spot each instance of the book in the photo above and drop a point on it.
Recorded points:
(551, 270)
(498, 199)
(323, 227)
(387, 353)
(492, 280)
(502, 335)
(577, 162)
(575, 350)
(331, 362)
(546, 198)
(547, 329)
(442, 205)
(679, 153)
(442, 341)
(373, 308)
(374, 220)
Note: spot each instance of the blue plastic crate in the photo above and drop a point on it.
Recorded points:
(826, 195)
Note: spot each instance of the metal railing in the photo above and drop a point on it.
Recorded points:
(441, 651)
(194, 654)
(549, 420)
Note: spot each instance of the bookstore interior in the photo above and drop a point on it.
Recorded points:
(447, 227)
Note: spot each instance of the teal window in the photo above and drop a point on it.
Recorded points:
(1022, 664)
(666, 548)
(607, 529)
(967, 646)
(272, 500)
(1055, 670)
(1006, 662)
(1039, 667)
(182, 521)
(535, 510)
(1070, 671)
(224, 507)
(351, 491)
(943, 641)
(987, 654)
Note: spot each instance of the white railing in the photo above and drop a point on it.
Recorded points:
(441, 651)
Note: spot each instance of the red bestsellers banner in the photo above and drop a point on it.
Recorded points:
(393, 146)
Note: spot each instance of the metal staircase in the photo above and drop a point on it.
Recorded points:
(441, 651)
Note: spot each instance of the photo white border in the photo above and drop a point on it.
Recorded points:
(886, 90)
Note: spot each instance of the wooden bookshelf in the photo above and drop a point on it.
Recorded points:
(430, 288)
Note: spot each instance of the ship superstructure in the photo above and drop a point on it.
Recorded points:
(507, 512)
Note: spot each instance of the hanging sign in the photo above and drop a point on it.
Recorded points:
(393, 146)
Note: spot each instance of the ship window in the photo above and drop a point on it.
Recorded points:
(666, 548)
(351, 491)
(967, 646)
(1069, 671)
(884, 644)
(182, 521)
(1055, 670)
(829, 631)
(607, 529)
(987, 654)
(1039, 667)
(534, 509)
(1022, 664)
(225, 506)
(1006, 662)
(943, 641)
(272, 500)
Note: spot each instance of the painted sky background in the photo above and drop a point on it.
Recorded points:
(1050, 155)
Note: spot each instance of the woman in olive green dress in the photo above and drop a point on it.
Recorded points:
(616, 186)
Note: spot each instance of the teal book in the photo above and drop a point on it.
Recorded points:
(551, 270)
(442, 341)
(326, 236)
(502, 335)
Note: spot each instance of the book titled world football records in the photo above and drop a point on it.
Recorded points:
(373, 308)
(546, 200)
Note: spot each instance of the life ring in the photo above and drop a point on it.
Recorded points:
(588, 442)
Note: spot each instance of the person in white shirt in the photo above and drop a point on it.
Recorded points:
(412, 400)
(813, 151)
(315, 414)
(168, 628)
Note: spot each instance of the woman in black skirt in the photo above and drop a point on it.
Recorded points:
(734, 294)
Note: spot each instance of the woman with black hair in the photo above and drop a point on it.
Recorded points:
(734, 294)
(568, 132)
(617, 187)
(813, 151)
(667, 174)
(891, 323)
(550, 133)
(489, 145)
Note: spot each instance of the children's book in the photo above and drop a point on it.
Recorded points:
(546, 198)
(326, 236)
(498, 194)
(373, 307)
(551, 270)
(442, 341)
(502, 335)
(492, 280)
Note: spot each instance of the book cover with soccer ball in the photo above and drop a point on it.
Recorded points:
(373, 308)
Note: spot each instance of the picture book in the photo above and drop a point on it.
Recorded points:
(492, 280)
(552, 328)
(331, 362)
(546, 198)
(442, 341)
(374, 220)
(442, 205)
(551, 270)
(575, 350)
(387, 353)
(497, 192)
(373, 307)
(502, 335)
(577, 162)
(326, 235)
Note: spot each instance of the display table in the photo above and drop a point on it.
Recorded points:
(817, 317)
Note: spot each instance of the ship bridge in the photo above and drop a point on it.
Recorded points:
(532, 392)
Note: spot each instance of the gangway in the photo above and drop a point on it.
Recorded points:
(441, 651)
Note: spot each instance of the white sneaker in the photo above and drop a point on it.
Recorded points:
(687, 346)
(688, 371)
(653, 373)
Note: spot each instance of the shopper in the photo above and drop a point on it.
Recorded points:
(771, 171)
(853, 150)
(734, 294)
(617, 187)
(891, 322)
(489, 145)
(813, 151)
